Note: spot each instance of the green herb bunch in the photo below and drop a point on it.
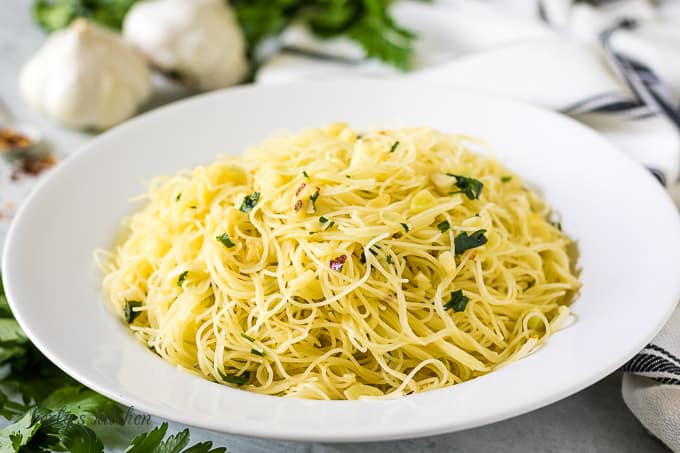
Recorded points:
(367, 22)
(52, 412)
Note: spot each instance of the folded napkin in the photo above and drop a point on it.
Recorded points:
(651, 386)
(615, 67)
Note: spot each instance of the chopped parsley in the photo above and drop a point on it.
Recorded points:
(464, 242)
(557, 225)
(444, 226)
(224, 239)
(241, 379)
(313, 197)
(182, 277)
(323, 219)
(469, 186)
(304, 173)
(330, 225)
(458, 301)
(506, 178)
(389, 259)
(249, 202)
(405, 227)
(247, 337)
(179, 195)
(256, 352)
(130, 314)
(394, 146)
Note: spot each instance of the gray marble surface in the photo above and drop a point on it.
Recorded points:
(594, 420)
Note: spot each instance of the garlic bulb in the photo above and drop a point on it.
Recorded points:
(199, 41)
(86, 77)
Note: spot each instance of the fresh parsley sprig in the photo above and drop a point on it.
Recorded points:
(52, 412)
(367, 22)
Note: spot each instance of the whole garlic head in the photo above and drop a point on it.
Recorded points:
(198, 41)
(86, 77)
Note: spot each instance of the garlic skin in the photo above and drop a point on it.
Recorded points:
(86, 77)
(198, 41)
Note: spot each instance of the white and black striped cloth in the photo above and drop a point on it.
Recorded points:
(655, 362)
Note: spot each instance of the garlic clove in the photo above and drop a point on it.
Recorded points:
(198, 41)
(86, 77)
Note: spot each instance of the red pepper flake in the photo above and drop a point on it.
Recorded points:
(11, 139)
(298, 205)
(300, 189)
(32, 166)
(338, 262)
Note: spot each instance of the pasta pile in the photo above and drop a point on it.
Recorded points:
(333, 265)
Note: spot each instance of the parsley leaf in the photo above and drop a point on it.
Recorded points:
(506, 178)
(380, 36)
(241, 379)
(19, 434)
(247, 337)
(84, 403)
(323, 219)
(224, 239)
(77, 438)
(256, 352)
(313, 197)
(458, 301)
(464, 242)
(260, 19)
(405, 227)
(130, 314)
(367, 22)
(10, 331)
(54, 15)
(182, 277)
(469, 186)
(249, 202)
(394, 146)
(305, 174)
(152, 442)
(444, 226)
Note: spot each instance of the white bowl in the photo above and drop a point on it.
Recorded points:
(626, 226)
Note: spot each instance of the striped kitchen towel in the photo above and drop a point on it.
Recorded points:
(651, 384)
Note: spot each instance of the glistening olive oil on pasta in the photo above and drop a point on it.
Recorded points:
(333, 264)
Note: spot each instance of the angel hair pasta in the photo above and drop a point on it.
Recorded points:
(338, 265)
